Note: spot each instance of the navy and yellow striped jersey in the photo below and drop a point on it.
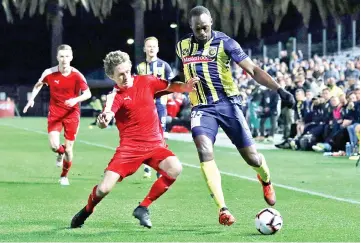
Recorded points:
(158, 68)
(211, 63)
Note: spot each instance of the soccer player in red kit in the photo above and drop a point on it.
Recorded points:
(65, 84)
(140, 132)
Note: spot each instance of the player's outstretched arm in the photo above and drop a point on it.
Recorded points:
(34, 93)
(181, 87)
(265, 79)
(84, 96)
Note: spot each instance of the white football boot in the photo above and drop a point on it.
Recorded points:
(64, 181)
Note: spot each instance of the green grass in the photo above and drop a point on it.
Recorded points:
(35, 208)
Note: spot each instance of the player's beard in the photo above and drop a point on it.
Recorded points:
(203, 40)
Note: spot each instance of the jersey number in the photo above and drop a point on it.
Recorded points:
(196, 118)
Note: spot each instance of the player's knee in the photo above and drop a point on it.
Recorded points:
(253, 159)
(205, 149)
(54, 147)
(175, 170)
(205, 152)
(69, 150)
(103, 190)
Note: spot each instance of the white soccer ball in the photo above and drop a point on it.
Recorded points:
(268, 221)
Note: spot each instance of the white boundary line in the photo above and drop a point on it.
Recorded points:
(222, 172)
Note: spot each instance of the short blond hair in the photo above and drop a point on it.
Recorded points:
(150, 38)
(113, 59)
(63, 47)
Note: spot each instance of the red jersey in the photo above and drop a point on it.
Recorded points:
(136, 114)
(63, 88)
(173, 106)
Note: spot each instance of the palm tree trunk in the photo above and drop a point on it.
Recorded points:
(56, 32)
(139, 8)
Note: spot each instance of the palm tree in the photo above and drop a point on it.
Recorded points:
(53, 9)
(227, 15)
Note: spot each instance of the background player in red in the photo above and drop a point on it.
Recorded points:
(65, 84)
(140, 132)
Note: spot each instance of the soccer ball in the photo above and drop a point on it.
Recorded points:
(268, 221)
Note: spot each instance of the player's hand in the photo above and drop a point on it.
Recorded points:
(29, 104)
(191, 83)
(71, 102)
(286, 97)
(104, 119)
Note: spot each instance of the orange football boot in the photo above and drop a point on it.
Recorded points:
(225, 217)
(268, 191)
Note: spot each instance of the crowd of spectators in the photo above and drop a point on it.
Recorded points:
(326, 116)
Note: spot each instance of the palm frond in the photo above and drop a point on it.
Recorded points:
(23, 6)
(322, 9)
(237, 15)
(42, 4)
(224, 15)
(85, 4)
(8, 14)
(33, 6)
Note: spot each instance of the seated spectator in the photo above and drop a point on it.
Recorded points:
(331, 84)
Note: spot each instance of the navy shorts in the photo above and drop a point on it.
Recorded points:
(226, 113)
(162, 114)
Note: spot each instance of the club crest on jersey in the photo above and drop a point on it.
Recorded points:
(185, 52)
(212, 51)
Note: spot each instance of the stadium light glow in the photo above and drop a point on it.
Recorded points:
(130, 41)
(173, 25)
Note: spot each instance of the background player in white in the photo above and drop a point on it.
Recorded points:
(157, 67)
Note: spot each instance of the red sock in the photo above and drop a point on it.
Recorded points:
(93, 200)
(61, 149)
(66, 168)
(159, 187)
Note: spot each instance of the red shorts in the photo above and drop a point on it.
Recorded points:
(127, 160)
(71, 126)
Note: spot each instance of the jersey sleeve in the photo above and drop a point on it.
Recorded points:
(156, 84)
(137, 69)
(168, 72)
(179, 57)
(44, 76)
(112, 103)
(234, 50)
(82, 81)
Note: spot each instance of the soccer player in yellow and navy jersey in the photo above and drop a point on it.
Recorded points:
(207, 54)
(161, 69)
